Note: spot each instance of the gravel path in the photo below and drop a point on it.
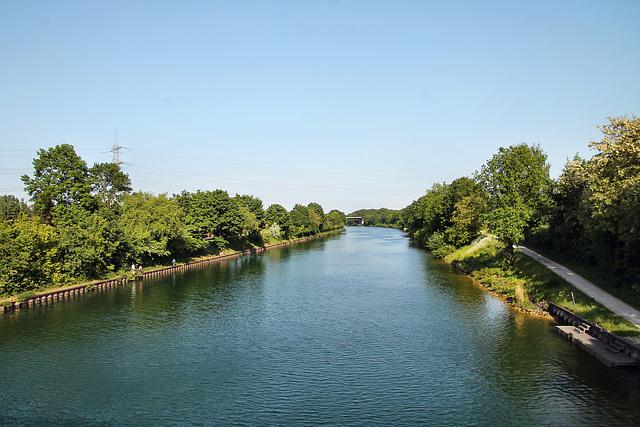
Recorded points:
(604, 298)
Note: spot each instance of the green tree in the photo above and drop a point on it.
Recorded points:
(611, 200)
(211, 212)
(11, 207)
(109, 182)
(300, 221)
(254, 205)
(60, 177)
(278, 215)
(566, 222)
(335, 220)
(517, 183)
(466, 222)
(316, 216)
(153, 228)
(30, 256)
(88, 242)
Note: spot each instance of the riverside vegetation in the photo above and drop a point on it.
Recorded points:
(87, 223)
(588, 219)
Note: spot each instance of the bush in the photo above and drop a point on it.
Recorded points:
(24, 295)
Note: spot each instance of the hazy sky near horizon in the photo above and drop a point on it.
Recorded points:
(350, 104)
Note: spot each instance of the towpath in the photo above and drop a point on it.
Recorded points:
(604, 298)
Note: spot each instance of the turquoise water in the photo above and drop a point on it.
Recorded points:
(359, 328)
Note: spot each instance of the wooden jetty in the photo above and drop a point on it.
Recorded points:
(610, 349)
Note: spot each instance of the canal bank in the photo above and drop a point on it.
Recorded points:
(49, 297)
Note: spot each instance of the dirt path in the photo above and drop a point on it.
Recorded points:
(612, 303)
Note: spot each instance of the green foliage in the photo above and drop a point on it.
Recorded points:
(60, 177)
(254, 206)
(597, 204)
(11, 207)
(279, 215)
(109, 182)
(211, 212)
(24, 295)
(152, 227)
(438, 246)
(334, 220)
(30, 256)
(382, 217)
(316, 217)
(88, 242)
(517, 183)
(466, 222)
(300, 221)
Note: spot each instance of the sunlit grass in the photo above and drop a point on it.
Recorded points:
(528, 283)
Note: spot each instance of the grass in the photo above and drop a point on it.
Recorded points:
(528, 283)
(598, 276)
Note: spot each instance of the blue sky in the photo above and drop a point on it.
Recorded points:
(350, 104)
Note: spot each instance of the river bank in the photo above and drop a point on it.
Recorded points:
(60, 293)
(528, 284)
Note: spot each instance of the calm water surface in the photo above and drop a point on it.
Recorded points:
(355, 329)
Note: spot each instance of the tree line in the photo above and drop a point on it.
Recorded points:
(86, 222)
(591, 212)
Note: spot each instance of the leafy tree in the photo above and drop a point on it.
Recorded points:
(466, 220)
(565, 225)
(611, 200)
(30, 256)
(211, 212)
(278, 215)
(152, 227)
(109, 182)
(335, 220)
(11, 207)
(254, 205)
(316, 217)
(300, 221)
(60, 177)
(250, 224)
(88, 242)
(518, 185)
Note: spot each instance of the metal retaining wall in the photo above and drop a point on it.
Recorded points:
(68, 293)
(601, 334)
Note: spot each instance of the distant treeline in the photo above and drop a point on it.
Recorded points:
(87, 223)
(591, 212)
(378, 217)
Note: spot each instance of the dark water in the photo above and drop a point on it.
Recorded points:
(355, 329)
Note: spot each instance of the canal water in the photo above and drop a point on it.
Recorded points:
(358, 328)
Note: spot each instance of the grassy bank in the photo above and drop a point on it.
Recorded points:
(527, 284)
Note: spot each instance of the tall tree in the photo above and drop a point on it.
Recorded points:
(153, 228)
(88, 242)
(612, 196)
(60, 177)
(279, 215)
(300, 221)
(109, 182)
(211, 212)
(11, 207)
(254, 205)
(518, 186)
(30, 256)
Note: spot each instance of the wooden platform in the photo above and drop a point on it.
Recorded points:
(609, 354)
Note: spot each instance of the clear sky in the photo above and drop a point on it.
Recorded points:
(350, 104)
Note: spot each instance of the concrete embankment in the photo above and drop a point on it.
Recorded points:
(610, 349)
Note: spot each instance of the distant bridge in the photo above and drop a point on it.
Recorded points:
(356, 219)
